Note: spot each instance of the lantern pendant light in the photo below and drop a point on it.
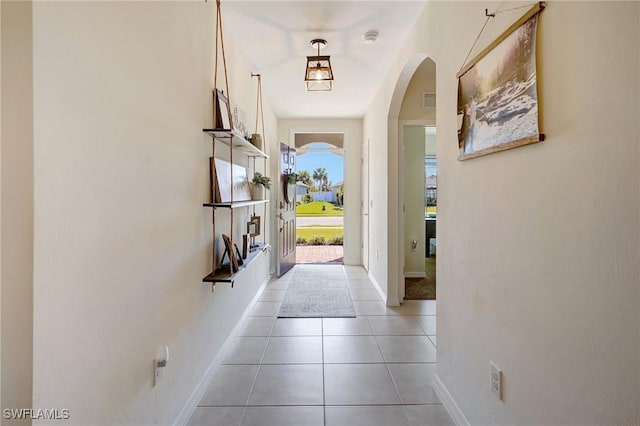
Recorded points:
(318, 76)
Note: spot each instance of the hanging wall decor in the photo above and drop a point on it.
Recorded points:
(221, 102)
(256, 138)
(497, 92)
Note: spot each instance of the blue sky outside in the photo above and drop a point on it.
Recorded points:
(334, 164)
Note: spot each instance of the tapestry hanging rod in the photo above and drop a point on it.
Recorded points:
(535, 8)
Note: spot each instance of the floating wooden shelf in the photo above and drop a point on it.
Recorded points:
(225, 276)
(236, 141)
(235, 205)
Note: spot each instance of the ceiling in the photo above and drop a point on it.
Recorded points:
(275, 36)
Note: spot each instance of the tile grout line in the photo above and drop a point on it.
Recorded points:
(324, 397)
(255, 379)
(393, 380)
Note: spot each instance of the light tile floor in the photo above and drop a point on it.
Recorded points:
(374, 370)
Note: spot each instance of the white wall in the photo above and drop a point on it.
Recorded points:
(352, 129)
(17, 207)
(538, 246)
(413, 145)
(122, 91)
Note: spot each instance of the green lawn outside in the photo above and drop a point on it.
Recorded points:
(328, 233)
(315, 209)
(321, 226)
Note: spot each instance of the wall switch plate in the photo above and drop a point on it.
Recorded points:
(496, 380)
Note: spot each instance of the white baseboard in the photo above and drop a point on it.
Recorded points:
(417, 274)
(191, 404)
(394, 301)
(377, 286)
(449, 403)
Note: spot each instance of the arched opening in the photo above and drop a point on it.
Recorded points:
(412, 105)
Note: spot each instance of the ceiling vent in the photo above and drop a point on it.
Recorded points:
(429, 100)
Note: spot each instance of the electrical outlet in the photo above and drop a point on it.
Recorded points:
(496, 380)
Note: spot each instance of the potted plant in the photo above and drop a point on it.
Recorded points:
(260, 184)
(290, 178)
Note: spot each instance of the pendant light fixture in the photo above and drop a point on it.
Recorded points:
(318, 76)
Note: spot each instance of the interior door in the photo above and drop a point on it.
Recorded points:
(286, 211)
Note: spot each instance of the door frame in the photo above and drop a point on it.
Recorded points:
(401, 206)
(365, 198)
(351, 186)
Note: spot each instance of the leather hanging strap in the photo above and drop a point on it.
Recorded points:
(259, 110)
(220, 37)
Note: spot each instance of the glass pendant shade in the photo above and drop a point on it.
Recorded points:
(319, 77)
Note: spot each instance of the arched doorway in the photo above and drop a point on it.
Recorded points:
(412, 104)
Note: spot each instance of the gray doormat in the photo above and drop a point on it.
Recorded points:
(321, 298)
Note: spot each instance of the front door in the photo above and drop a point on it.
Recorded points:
(286, 211)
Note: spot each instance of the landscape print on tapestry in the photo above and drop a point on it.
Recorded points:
(497, 96)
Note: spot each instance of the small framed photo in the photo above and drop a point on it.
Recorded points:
(221, 116)
(253, 227)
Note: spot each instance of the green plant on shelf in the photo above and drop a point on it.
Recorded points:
(260, 179)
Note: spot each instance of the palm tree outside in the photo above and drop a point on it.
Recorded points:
(320, 175)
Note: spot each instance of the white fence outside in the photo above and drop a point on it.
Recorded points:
(328, 196)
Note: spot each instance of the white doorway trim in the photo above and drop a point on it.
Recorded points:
(401, 202)
(365, 197)
(352, 211)
(394, 261)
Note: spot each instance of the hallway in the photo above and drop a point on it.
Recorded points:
(375, 370)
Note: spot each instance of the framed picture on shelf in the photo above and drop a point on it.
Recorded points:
(253, 226)
(215, 189)
(239, 120)
(221, 115)
(229, 249)
(231, 182)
